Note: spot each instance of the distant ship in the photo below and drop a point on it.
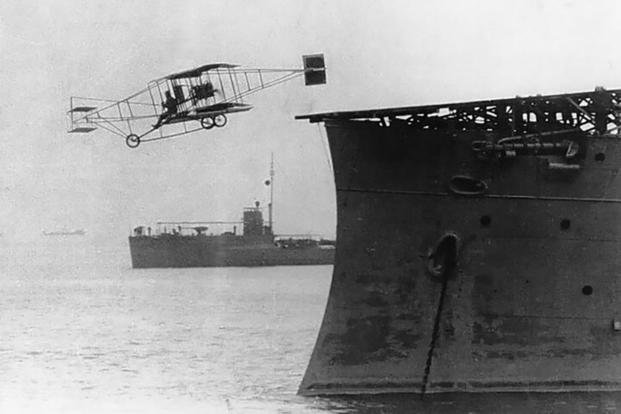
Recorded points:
(187, 244)
(65, 232)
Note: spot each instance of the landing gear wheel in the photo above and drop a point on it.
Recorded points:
(132, 140)
(220, 120)
(207, 122)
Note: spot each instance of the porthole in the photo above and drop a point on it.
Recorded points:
(565, 224)
(587, 290)
(600, 156)
(485, 220)
(467, 186)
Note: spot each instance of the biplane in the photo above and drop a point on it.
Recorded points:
(184, 102)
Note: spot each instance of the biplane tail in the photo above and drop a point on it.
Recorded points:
(79, 118)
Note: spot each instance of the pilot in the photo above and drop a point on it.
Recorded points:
(170, 108)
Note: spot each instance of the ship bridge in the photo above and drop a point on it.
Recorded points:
(253, 222)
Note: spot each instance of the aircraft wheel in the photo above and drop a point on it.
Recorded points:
(220, 120)
(132, 140)
(207, 122)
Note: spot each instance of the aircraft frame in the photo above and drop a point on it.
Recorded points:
(203, 98)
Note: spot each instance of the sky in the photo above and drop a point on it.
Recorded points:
(378, 54)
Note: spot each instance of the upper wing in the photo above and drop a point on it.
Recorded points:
(193, 73)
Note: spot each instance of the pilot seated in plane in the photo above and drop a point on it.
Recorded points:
(170, 109)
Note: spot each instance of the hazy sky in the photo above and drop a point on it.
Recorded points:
(378, 54)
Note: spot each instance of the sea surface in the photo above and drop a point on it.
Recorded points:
(80, 331)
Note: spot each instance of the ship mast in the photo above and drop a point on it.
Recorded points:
(271, 204)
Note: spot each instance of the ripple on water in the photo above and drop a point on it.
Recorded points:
(34, 353)
(95, 355)
(130, 371)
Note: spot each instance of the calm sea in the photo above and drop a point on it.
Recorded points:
(80, 331)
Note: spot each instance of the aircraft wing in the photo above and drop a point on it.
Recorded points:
(193, 73)
(224, 107)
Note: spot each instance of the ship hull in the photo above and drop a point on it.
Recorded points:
(180, 251)
(530, 302)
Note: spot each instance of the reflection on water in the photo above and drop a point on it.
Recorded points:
(81, 331)
(509, 403)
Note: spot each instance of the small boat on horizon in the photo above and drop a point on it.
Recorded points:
(65, 232)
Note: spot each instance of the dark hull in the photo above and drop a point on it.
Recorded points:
(150, 252)
(531, 301)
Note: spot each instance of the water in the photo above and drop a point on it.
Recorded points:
(82, 331)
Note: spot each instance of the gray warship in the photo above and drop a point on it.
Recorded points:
(187, 244)
(478, 248)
